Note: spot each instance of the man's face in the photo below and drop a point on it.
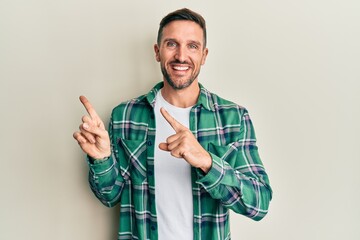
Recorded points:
(181, 53)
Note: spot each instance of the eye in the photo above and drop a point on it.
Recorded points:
(193, 46)
(170, 44)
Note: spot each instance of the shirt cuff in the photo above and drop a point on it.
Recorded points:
(216, 173)
(100, 166)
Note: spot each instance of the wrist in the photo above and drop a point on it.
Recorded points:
(207, 164)
(101, 157)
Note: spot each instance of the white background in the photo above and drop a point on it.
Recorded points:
(293, 64)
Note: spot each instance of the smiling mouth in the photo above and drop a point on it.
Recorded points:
(180, 68)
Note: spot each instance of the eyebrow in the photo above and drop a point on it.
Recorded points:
(196, 42)
(174, 40)
(169, 39)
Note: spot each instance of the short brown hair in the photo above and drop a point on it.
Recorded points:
(182, 14)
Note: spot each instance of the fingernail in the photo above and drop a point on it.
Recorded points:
(86, 126)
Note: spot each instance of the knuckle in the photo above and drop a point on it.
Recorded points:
(182, 132)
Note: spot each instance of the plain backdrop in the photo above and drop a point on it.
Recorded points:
(293, 64)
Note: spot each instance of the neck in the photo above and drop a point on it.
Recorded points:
(183, 98)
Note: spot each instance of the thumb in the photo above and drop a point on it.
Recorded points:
(163, 146)
(94, 130)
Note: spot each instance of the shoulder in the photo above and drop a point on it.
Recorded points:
(225, 105)
(140, 105)
(130, 107)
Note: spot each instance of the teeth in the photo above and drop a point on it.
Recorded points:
(181, 68)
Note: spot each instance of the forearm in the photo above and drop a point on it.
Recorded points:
(248, 194)
(254, 200)
(106, 181)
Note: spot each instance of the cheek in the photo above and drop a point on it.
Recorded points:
(163, 58)
(199, 62)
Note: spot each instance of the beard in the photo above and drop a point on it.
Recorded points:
(180, 85)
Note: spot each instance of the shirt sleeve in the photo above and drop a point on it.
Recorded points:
(104, 176)
(237, 176)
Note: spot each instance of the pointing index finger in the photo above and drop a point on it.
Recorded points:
(172, 121)
(89, 108)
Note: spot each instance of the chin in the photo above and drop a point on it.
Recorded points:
(178, 85)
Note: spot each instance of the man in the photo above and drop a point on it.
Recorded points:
(178, 158)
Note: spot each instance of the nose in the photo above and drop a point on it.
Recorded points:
(180, 54)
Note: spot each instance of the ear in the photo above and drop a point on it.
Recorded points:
(157, 52)
(205, 53)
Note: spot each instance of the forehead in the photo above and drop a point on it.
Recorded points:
(183, 30)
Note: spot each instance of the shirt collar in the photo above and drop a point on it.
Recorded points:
(205, 98)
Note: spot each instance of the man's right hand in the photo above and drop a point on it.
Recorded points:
(93, 138)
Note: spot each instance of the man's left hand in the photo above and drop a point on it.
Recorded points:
(183, 144)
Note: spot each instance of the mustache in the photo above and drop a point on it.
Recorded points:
(179, 62)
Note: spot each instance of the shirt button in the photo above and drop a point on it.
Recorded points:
(149, 143)
(150, 173)
(153, 227)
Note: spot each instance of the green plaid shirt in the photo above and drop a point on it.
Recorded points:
(237, 179)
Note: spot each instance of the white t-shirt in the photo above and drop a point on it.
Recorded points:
(173, 190)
